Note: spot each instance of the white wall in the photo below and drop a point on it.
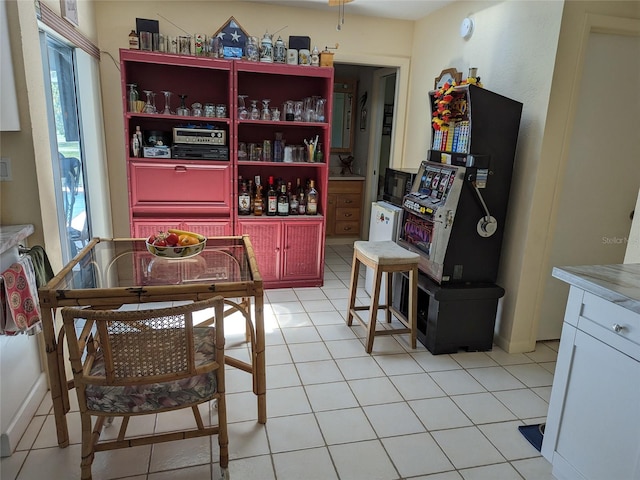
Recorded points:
(513, 46)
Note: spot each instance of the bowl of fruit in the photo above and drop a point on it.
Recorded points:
(176, 244)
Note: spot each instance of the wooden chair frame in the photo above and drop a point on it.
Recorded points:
(99, 337)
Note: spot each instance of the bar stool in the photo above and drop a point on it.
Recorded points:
(384, 257)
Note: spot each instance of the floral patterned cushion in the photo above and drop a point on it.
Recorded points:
(156, 396)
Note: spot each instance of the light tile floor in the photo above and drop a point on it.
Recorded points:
(335, 412)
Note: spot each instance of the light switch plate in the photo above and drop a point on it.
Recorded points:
(5, 169)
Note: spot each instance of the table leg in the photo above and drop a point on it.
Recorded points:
(259, 359)
(55, 382)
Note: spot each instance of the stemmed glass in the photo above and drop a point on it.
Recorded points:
(243, 113)
(153, 102)
(266, 113)
(255, 113)
(167, 103)
(182, 110)
(148, 107)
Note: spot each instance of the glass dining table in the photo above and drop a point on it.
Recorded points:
(109, 273)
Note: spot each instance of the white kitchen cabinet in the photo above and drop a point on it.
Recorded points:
(593, 424)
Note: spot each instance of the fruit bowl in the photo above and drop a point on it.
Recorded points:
(178, 251)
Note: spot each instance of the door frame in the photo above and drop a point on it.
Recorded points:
(592, 23)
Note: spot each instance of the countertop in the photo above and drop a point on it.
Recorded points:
(349, 176)
(620, 284)
(12, 235)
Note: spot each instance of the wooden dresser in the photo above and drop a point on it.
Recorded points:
(344, 206)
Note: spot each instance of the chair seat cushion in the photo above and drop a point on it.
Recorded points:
(386, 253)
(156, 396)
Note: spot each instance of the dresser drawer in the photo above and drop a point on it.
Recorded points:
(347, 228)
(348, 200)
(348, 214)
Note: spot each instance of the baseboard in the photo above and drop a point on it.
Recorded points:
(513, 347)
(18, 425)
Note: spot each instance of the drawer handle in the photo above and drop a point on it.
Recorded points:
(348, 201)
(180, 168)
(348, 215)
(617, 327)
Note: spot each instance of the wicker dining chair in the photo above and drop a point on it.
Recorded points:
(128, 363)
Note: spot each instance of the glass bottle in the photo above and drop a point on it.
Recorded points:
(278, 148)
(312, 199)
(133, 97)
(272, 199)
(134, 41)
(293, 199)
(302, 199)
(258, 203)
(244, 199)
(283, 201)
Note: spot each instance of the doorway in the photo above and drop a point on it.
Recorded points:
(375, 129)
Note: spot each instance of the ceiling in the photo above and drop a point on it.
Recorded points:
(398, 9)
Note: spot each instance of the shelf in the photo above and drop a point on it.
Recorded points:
(281, 164)
(281, 217)
(182, 118)
(283, 123)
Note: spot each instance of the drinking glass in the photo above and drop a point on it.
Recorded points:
(275, 114)
(288, 111)
(266, 113)
(243, 113)
(255, 113)
(182, 110)
(167, 103)
(298, 107)
(148, 107)
(320, 103)
(196, 109)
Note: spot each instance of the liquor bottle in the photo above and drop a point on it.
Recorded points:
(258, 201)
(134, 41)
(244, 199)
(283, 201)
(252, 195)
(258, 206)
(302, 199)
(293, 200)
(312, 199)
(272, 199)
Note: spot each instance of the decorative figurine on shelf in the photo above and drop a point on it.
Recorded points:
(346, 164)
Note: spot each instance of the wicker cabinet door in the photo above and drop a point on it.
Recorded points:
(265, 238)
(302, 256)
(209, 228)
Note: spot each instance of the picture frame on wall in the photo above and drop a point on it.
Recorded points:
(69, 11)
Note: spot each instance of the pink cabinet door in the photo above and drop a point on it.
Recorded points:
(302, 254)
(208, 228)
(175, 188)
(265, 238)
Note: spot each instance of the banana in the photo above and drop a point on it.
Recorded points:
(201, 238)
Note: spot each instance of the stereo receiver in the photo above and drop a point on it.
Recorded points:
(199, 136)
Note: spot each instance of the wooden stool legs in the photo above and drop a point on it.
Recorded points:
(410, 321)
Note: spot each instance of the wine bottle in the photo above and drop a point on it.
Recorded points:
(272, 199)
(283, 201)
(312, 199)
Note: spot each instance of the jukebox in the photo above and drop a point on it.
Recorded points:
(454, 218)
